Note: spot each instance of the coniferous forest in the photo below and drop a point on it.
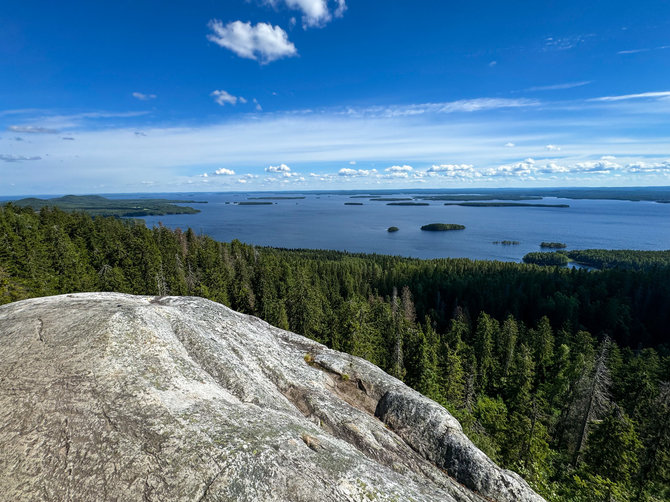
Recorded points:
(559, 374)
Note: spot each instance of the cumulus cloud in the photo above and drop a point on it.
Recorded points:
(282, 168)
(346, 171)
(399, 169)
(32, 129)
(224, 172)
(261, 42)
(597, 166)
(454, 171)
(509, 145)
(523, 168)
(143, 97)
(258, 107)
(16, 158)
(315, 13)
(641, 167)
(531, 168)
(553, 148)
(222, 98)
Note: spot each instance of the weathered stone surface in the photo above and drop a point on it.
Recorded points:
(106, 396)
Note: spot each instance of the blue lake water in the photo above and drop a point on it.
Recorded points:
(323, 221)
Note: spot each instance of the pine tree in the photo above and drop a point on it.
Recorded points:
(613, 447)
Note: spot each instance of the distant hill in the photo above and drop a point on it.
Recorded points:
(101, 206)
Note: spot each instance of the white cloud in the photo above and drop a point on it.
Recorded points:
(315, 13)
(224, 172)
(341, 7)
(553, 148)
(643, 95)
(647, 49)
(558, 87)
(564, 43)
(597, 166)
(510, 144)
(454, 171)
(222, 98)
(259, 108)
(523, 168)
(399, 169)
(459, 106)
(32, 129)
(282, 168)
(642, 167)
(16, 158)
(352, 162)
(345, 171)
(143, 97)
(262, 42)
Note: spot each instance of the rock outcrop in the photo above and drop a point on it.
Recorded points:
(106, 396)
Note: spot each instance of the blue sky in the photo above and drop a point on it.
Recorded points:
(332, 94)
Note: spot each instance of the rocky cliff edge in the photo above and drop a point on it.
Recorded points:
(105, 396)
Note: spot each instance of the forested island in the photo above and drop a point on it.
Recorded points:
(275, 197)
(507, 243)
(392, 229)
(503, 204)
(553, 245)
(480, 197)
(442, 227)
(101, 206)
(408, 204)
(391, 199)
(353, 203)
(559, 374)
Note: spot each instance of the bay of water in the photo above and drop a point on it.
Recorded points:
(322, 221)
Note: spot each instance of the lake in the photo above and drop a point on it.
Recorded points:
(323, 221)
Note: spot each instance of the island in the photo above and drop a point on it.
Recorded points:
(442, 227)
(277, 198)
(392, 229)
(503, 204)
(391, 199)
(481, 197)
(507, 243)
(97, 205)
(254, 203)
(408, 204)
(353, 203)
(554, 245)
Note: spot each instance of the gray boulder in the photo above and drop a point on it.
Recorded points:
(105, 396)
